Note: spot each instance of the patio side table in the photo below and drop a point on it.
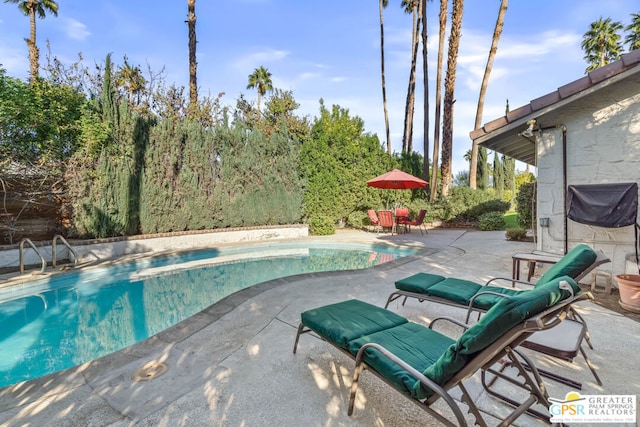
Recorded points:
(532, 258)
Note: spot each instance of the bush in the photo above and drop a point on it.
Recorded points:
(322, 225)
(499, 206)
(358, 220)
(526, 204)
(466, 204)
(516, 234)
(492, 221)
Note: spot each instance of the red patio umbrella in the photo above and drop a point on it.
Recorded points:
(396, 180)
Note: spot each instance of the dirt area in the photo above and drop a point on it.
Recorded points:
(610, 301)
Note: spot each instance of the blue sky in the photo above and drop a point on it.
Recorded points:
(325, 49)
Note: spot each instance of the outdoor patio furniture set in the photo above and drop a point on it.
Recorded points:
(394, 221)
(424, 364)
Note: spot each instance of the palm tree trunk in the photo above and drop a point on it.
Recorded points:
(425, 73)
(34, 54)
(436, 126)
(473, 167)
(449, 89)
(384, 87)
(407, 143)
(193, 64)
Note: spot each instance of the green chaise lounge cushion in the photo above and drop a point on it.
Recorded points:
(461, 291)
(506, 314)
(572, 264)
(419, 282)
(345, 321)
(415, 344)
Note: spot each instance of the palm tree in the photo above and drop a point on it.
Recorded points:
(436, 127)
(31, 8)
(193, 64)
(132, 80)
(383, 5)
(601, 44)
(411, 6)
(633, 39)
(261, 80)
(449, 88)
(473, 166)
(425, 79)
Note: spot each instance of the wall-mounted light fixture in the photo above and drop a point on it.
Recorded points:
(528, 132)
(544, 222)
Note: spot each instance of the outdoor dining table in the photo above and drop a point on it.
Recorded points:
(401, 218)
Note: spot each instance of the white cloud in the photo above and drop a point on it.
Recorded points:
(338, 79)
(259, 58)
(75, 30)
(308, 76)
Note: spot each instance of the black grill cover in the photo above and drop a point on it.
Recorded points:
(604, 205)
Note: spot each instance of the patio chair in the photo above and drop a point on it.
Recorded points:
(423, 364)
(418, 222)
(479, 298)
(374, 219)
(386, 220)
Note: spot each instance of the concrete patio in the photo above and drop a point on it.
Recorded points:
(232, 364)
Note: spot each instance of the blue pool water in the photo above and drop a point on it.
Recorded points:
(74, 317)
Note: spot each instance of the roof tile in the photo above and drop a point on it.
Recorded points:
(477, 133)
(631, 58)
(545, 100)
(523, 111)
(598, 75)
(574, 87)
(495, 124)
(603, 73)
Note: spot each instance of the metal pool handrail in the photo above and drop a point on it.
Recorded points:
(22, 242)
(64, 242)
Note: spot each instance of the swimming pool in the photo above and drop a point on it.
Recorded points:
(71, 318)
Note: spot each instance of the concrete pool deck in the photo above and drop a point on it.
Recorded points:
(232, 364)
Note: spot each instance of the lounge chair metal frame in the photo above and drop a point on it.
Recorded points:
(528, 378)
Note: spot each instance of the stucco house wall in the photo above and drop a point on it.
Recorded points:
(603, 146)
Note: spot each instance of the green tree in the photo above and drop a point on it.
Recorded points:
(425, 83)
(32, 8)
(336, 162)
(279, 114)
(498, 176)
(382, 5)
(39, 122)
(633, 38)
(482, 178)
(473, 166)
(131, 79)
(602, 43)
(509, 168)
(260, 79)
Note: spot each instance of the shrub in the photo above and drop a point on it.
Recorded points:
(499, 206)
(322, 225)
(526, 204)
(492, 221)
(516, 234)
(358, 219)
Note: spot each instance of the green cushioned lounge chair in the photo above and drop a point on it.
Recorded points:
(475, 297)
(424, 364)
